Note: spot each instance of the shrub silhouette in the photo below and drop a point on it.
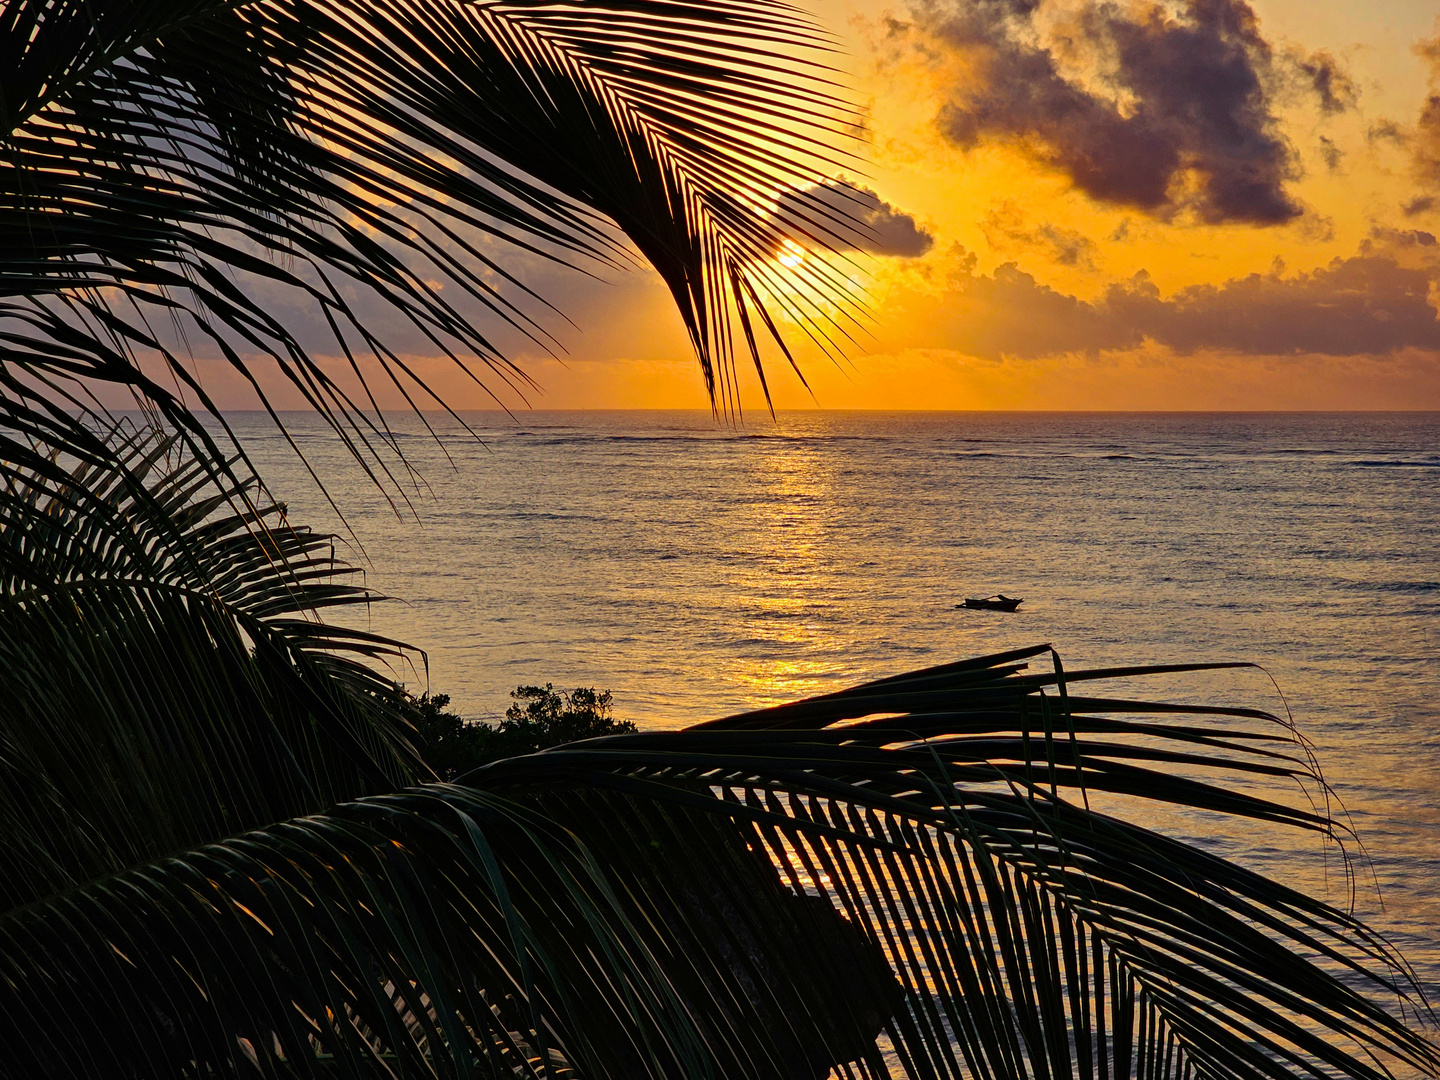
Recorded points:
(539, 718)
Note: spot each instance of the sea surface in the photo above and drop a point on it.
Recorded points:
(695, 568)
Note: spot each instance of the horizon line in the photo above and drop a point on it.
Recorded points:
(520, 412)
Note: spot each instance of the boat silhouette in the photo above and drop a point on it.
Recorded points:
(998, 602)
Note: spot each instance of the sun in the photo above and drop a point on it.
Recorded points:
(791, 254)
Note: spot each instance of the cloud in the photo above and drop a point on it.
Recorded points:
(1425, 141)
(1006, 230)
(1361, 306)
(1398, 238)
(1006, 314)
(1422, 140)
(1330, 82)
(853, 218)
(1139, 106)
(1374, 303)
(1331, 154)
(1386, 131)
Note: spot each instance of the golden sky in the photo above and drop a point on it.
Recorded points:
(1089, 204)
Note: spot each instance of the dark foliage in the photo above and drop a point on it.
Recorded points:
(539, 719)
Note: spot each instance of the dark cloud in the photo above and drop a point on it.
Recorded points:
(1331, 154)
(1066, 246)
(1398, 238)
(1006, 230)
(1386, 131)
(1331, 83)
(1374, 303)
(854, 218)
(1176, 115)
(1421, 204)
(1425, 142)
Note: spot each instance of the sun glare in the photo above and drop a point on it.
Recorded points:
(791, 254)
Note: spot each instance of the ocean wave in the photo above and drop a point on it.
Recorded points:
(1379, 463)
(1408, 588)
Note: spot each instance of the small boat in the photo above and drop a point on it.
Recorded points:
(998, 602)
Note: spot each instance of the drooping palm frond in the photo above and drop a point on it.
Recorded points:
(171, 169)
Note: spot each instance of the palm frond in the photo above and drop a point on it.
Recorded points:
(169, 169)
(1033, 934)
(168, 679)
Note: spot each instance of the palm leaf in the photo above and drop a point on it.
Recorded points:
(168, 679)
(171, 168)
(1033, 935)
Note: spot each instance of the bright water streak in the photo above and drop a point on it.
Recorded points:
(696, 570)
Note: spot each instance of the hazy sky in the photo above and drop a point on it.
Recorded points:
(1087, 204)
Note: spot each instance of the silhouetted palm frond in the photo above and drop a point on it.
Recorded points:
(175, 176)
(167, 676)
(948, 814)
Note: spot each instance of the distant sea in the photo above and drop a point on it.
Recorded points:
(696, 568)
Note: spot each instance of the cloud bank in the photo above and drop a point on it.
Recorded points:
(1375, 303)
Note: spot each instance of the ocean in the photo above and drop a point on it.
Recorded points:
(695, 568)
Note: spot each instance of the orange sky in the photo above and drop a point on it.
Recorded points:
(1091, 210)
